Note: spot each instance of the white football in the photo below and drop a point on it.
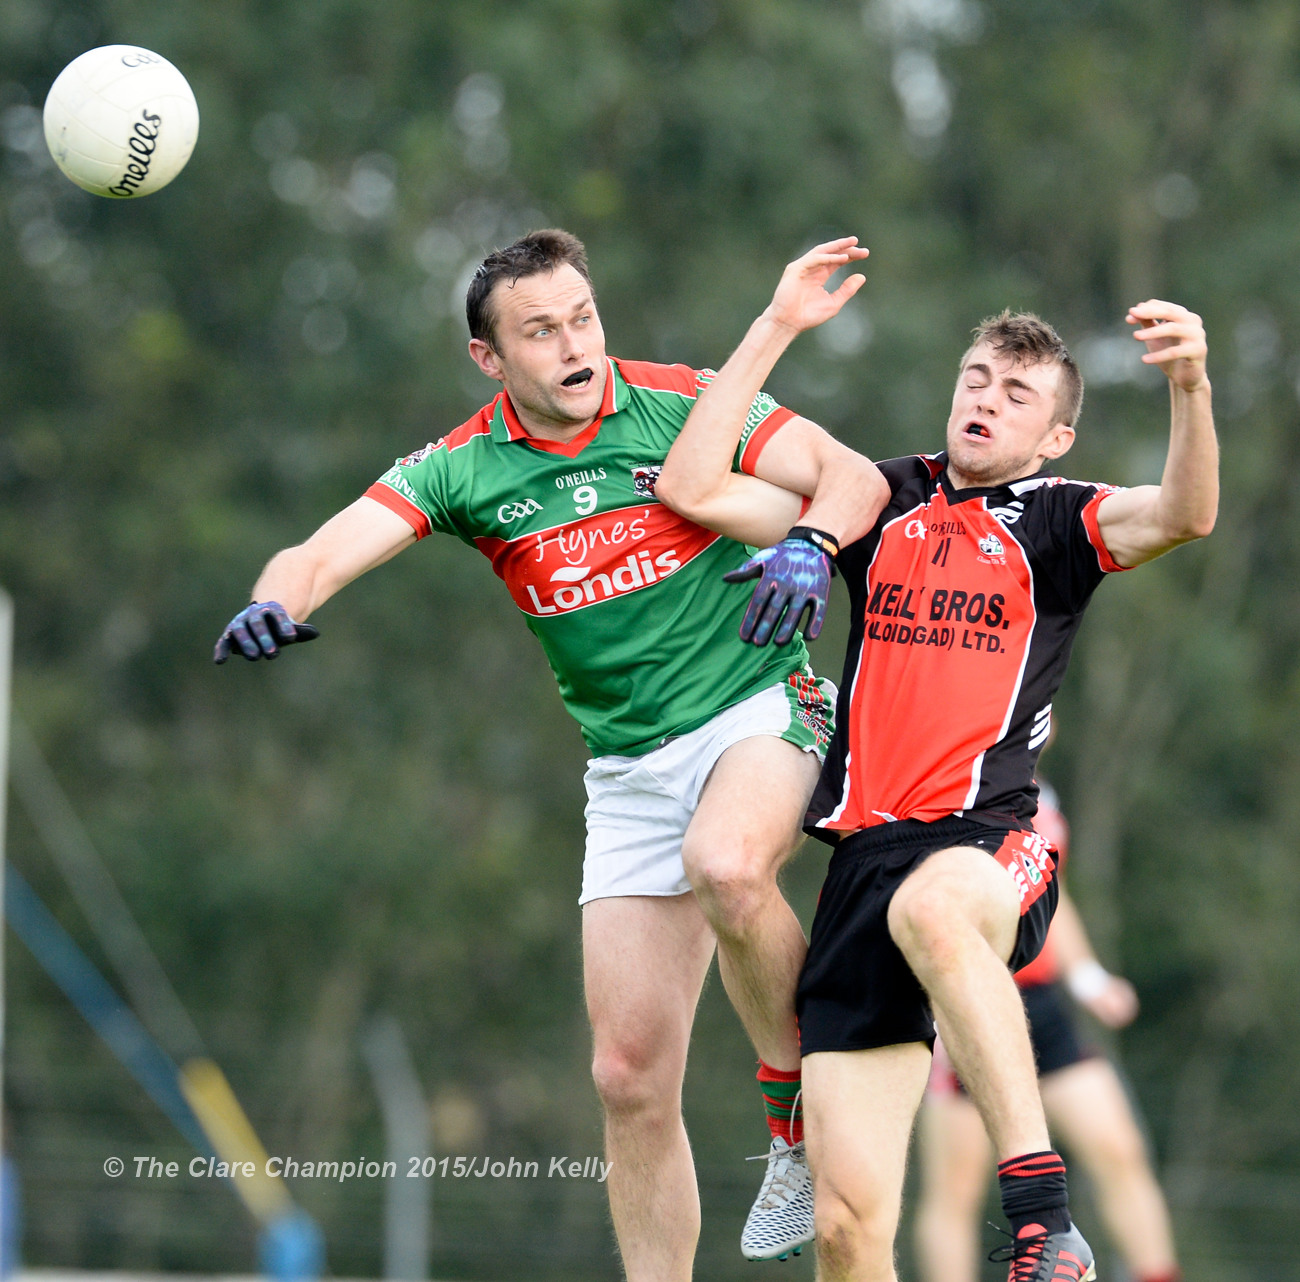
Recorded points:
(121, 121)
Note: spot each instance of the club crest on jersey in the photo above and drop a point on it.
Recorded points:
(644, 476)
(422, 453)
(991, 545)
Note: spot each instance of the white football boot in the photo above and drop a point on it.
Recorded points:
(780, 1222)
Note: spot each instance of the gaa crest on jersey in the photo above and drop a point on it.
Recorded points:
(644, 476)
(517, 509)
(991, 545)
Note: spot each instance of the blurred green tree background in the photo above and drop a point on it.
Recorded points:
(390, 821)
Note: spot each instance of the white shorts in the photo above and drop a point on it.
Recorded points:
(638, 807)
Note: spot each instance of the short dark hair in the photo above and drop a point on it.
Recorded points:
(539, 251)
(1032, 341)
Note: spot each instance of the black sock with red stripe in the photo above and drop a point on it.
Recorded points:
(1033, 1191)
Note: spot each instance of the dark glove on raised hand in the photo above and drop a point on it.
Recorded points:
(259, 630)
(793, 576)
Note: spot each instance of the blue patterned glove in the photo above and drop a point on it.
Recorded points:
(793, 576)
(259, 630)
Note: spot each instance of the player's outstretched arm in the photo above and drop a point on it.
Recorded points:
(1139, 524)
(300, 579)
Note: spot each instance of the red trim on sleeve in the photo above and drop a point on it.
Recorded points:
(762, 434)
(1108, 562)
(404, 508)
(804, 504)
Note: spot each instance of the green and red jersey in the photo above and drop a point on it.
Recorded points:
(626, 596)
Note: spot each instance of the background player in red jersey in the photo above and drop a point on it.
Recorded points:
(1084, 1099)
(966, 595)
(703, 755)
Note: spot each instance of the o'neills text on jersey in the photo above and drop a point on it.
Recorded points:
(570, 479)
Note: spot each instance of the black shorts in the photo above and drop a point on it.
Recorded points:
(857, 991)
(1052, 1029)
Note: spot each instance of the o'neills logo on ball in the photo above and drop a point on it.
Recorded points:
(142, 144)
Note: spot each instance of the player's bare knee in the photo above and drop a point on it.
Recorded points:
(631, 1078)
(925, 922)
(949, 905)
(1118, 1149)
(836, 1251)
(837, 1237)
(849, 1239)
(730, 883)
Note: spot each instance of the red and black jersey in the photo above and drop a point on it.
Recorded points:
(965, 605)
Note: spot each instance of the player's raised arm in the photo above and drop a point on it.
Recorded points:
(300, 579)
(697, 480)
(847, 490)
(1139, 524)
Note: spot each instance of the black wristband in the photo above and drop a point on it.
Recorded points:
(822, 541)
